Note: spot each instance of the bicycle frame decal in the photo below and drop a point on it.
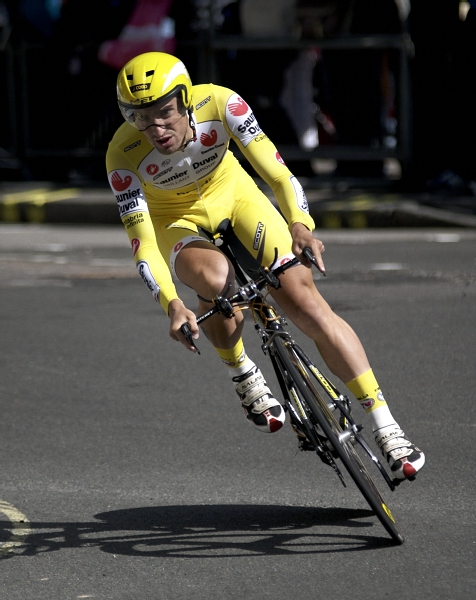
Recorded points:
(298, 403)
(323, 381)
(387, 510)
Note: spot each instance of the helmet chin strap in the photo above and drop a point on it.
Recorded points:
(193, 128)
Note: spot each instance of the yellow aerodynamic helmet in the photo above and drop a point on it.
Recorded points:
(149, 78)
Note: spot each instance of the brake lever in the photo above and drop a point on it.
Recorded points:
(185, 329)
(311, 258)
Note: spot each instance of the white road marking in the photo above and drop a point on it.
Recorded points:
(387, 267)
(20, 527)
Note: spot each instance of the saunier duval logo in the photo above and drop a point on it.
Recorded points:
(174, 177)
(205, 163)
(248, 125)
(128, 201)
(209, 139)
(139, 87)
(119, 183)
(128, 192)
(238, 108)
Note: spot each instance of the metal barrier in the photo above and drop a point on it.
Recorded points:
(213, 43)
(22, 151)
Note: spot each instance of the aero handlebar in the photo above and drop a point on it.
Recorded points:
(267, 276)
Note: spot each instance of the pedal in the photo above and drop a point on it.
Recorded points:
(305, 445)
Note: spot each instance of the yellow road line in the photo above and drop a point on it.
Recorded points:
(39, 196)
(35, 200)
(20, 527)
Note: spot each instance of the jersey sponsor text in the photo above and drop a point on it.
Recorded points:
(148, 278)
(241, 120)
(301, 199)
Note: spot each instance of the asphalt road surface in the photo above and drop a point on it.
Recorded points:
(129, 471)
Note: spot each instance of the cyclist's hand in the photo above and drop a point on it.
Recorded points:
(178, 315)
(303, 238)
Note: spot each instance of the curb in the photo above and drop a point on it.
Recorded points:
(356, 214)
(45, 202)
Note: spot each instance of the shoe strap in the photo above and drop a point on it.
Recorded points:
(252, 387)
(245, 384)
(255, 394)
(381, 439)
(397, 444)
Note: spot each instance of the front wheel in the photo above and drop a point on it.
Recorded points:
(339, 440)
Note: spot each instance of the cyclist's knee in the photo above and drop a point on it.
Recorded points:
(302, 302)
(205, 269)
(297, 287)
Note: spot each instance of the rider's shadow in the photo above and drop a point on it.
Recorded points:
(209, 531)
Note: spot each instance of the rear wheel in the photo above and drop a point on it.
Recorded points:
(339, 441)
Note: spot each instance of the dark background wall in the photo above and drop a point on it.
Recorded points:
(59, 108)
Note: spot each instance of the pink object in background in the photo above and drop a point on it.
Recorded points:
(149, 29)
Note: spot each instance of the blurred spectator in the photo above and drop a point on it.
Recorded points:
(259, 75)
(195, 20)
(450, 168)
(297, 98)
(435, 28)
(68, 59)
(5, 27)
(362, 83)
(149, 29)
(342, 94)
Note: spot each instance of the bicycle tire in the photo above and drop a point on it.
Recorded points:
(343, 447)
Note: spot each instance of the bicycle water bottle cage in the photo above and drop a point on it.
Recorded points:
(224, 306)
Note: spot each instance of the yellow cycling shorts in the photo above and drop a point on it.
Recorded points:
(255, 221)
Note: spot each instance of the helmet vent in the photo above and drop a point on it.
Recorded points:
(149, 73)
(129, 77)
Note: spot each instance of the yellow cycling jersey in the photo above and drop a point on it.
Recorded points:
(150, 186)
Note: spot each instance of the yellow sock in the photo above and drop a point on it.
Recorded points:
(233, 357)
(367, 391)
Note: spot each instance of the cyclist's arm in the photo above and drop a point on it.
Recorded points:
(263, 155)
(156, 275)
(134, 212)
(265, 159)
(180, 314)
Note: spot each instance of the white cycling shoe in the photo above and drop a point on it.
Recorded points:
(404, 459)
(259, 405)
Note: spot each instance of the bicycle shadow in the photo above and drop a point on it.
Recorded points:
(211, 531)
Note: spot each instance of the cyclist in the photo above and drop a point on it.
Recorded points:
(173, 175)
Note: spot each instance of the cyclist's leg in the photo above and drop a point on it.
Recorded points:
(336, 341)
(344, 354)
(200, 265)
(261, 229)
